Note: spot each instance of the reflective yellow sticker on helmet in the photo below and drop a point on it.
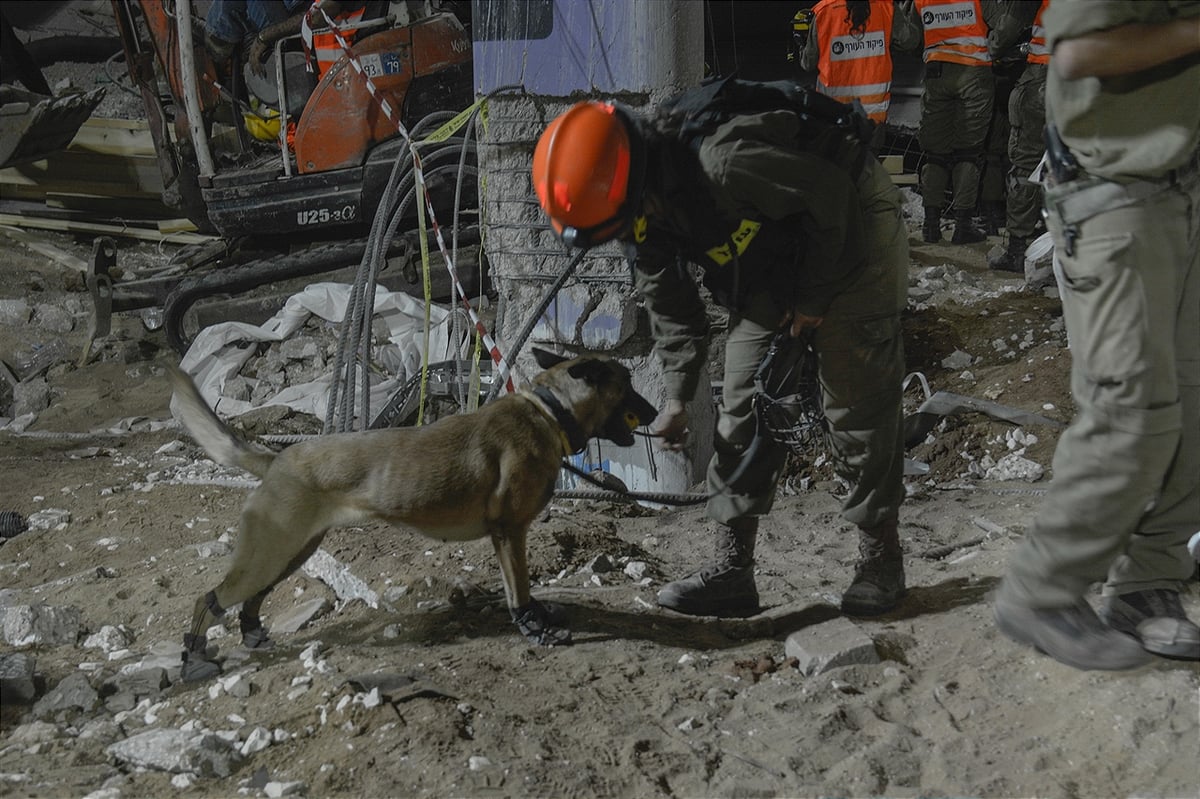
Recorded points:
(639, 229)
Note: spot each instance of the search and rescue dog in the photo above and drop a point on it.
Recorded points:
(485, 473)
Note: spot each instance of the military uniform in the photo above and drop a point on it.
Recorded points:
(956, 106)
(1126, 490)
(856, 65)
(809, 238)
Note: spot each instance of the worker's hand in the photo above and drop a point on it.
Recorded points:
(671, 426)
(797, 323)
(260, 51)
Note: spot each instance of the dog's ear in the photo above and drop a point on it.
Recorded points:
(546, 359)
(591, 371)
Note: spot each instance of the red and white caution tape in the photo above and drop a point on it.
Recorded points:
(502, 368)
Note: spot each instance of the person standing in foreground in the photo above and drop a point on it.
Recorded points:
(787, 240)
(1124, 210)
(1026, 143)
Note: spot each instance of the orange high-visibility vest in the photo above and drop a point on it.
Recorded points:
(1039, 53)
(954, 32)
(855, 66)
(325, 46)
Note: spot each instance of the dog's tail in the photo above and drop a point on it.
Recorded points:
(221, 444)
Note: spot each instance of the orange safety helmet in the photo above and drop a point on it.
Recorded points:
(588, 172)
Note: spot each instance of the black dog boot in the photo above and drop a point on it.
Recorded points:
(542, 624)
(1012, 259)
(878, 584)
(931, 230)
(725, 588)
(197, 665)
(965, 231)
(254, 634)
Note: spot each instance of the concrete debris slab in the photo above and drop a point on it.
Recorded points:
(299, 616)
(17, 678)
(326, 568)
(49, 519)
(176, 751)
(25, 625)
(1014, 466)
(834, 643)
(109, 639)
(396, 687)
(74, 692)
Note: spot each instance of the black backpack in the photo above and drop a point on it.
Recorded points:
(838, 131)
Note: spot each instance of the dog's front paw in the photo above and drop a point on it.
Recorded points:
(197, 668)
(538, 623)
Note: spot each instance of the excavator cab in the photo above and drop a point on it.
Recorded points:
(302, 177)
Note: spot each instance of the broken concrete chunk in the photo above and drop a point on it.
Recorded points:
(299, 616)
(834, 643)
(17, 681)
(25, 625)
(74, 692)
(326, 568)
(48, 518)
(176, 751)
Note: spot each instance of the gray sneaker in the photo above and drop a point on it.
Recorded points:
(726, 591)
(1073, 635)
(1156, 618)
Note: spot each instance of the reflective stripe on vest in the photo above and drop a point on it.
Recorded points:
(1039, 53)
(954, 32)
(325, 45)
(855, 66)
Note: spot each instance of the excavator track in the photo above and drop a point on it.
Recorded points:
(251, 275)
(233, 280)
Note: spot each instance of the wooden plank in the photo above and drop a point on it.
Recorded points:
(79, 172)
(96, 228)
(108, 207)
(43, 247)
(126, 138)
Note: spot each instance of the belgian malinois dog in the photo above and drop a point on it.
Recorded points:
(486, 473)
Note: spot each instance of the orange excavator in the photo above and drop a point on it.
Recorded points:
(301, 199)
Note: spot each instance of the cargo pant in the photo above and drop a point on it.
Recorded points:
(956, 112)
(1126, 490)
(1027, 119)
(993, 182)
(861, 366)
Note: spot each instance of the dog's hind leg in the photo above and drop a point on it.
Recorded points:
(536, 621)
(273, 544)
(254, 634)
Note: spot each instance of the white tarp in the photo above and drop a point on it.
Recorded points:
(220, 351)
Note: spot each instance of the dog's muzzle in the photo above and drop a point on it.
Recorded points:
(630, 415)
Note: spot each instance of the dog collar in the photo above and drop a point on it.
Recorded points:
(574, 439)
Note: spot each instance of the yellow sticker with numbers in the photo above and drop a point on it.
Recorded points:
(741, 237)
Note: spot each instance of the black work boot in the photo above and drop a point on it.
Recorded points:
(994, 218)
(931, 230)
(724, 588)
(1157, 619)
(1071, 634)
(878, 584)
(1012, 259)
(965, 231)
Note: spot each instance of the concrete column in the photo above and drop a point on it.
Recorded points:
(637, 51)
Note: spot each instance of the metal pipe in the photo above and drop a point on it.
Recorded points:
(191, 92)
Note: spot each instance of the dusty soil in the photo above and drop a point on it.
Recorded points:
(646, 702)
